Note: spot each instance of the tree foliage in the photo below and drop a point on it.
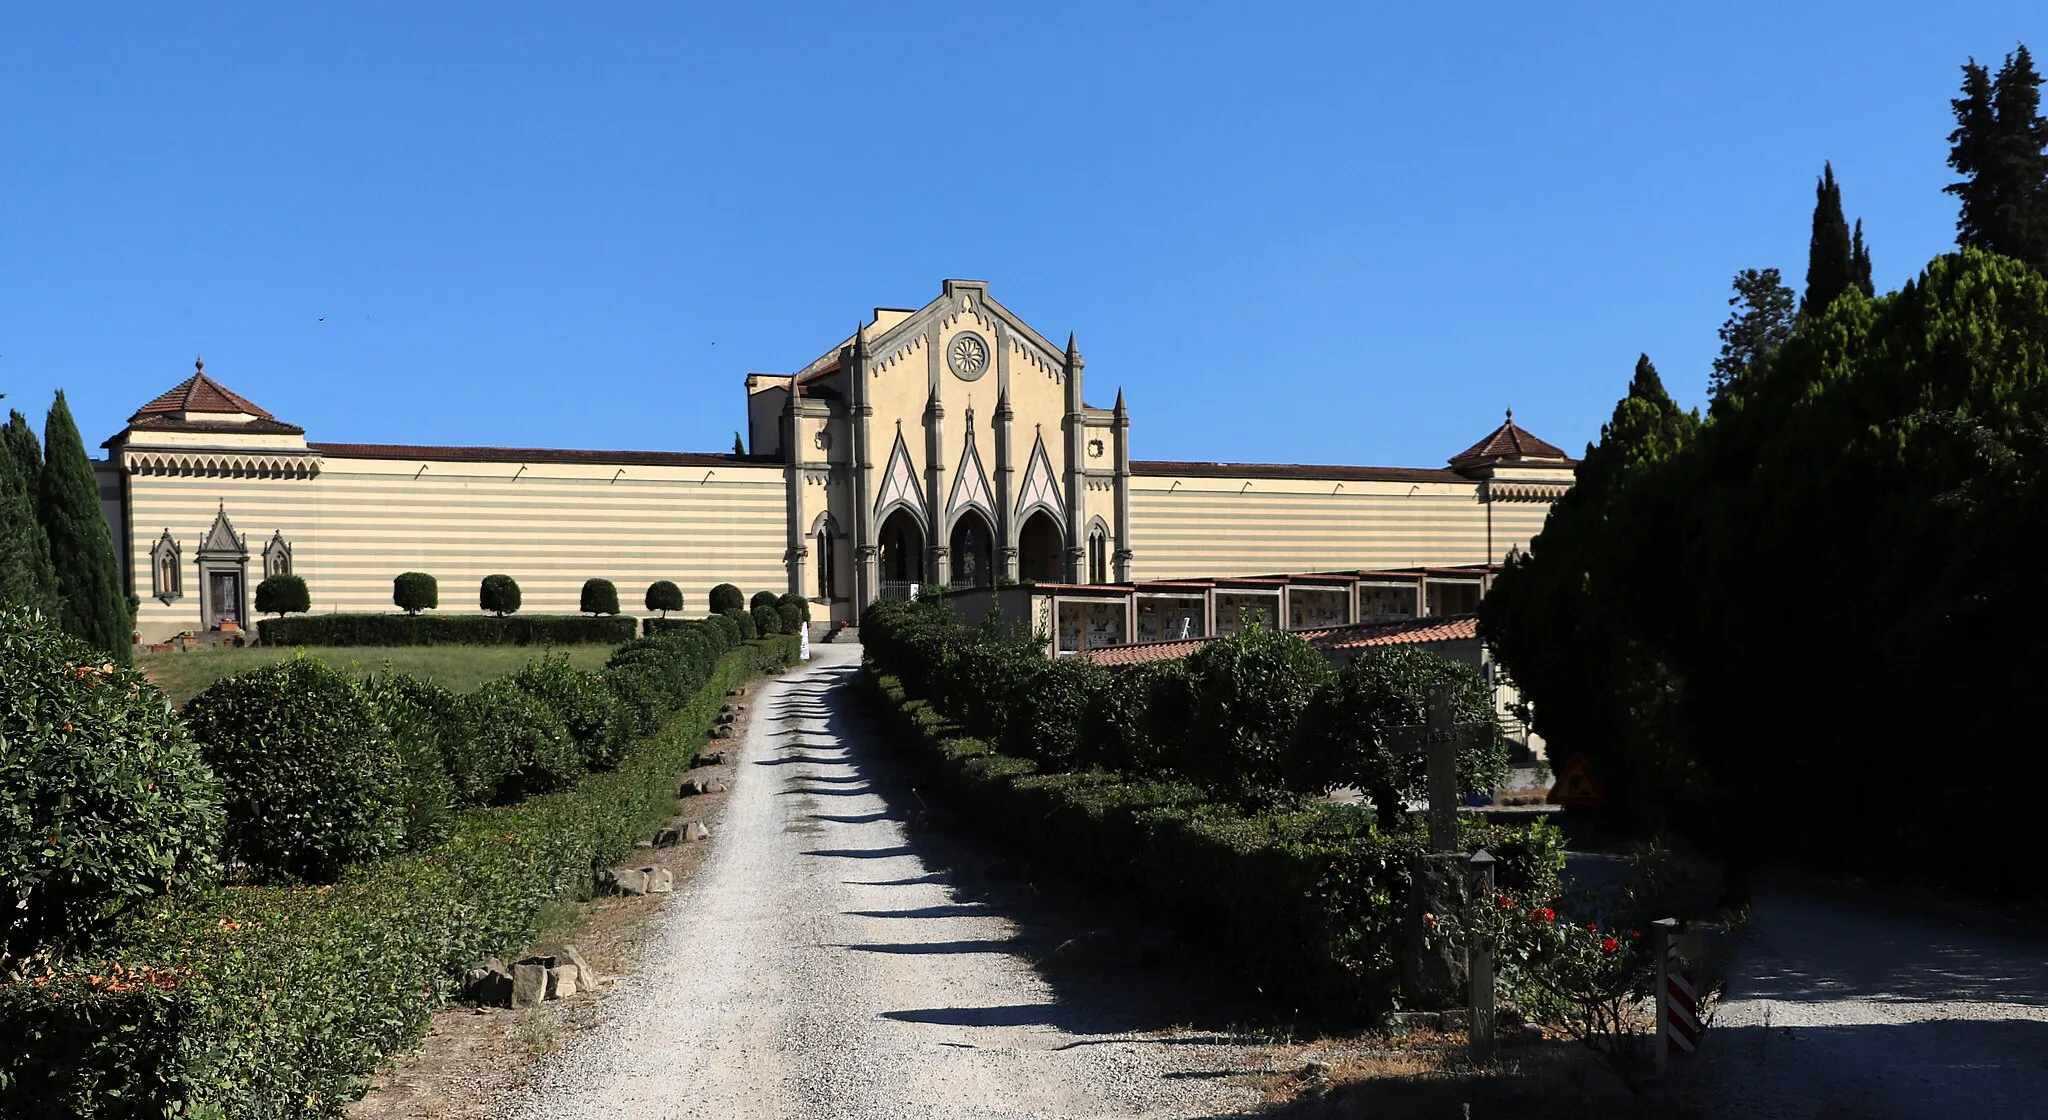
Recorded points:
(1761, 320)
(599, 596)
(95, 606)
(1833, 259)
(283, 594)
(27, 578)
(1779, 618)
(726, 597)
(2000, 147)
(413, 592)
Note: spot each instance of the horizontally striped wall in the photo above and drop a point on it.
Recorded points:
(549, 525)
(1217, 526)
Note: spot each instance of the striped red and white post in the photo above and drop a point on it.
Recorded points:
(1682, 1021)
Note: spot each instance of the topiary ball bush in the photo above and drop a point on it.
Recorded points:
(1046, 720)
(599, 597)
(802, 605)
(728, 630)
(761, 599)
(725, 597)
(792, 619)
(105, 799)
(589, 709)
(1249, 692)
(314, 783)
(766, 620)
(283, 594)
(522, 741)
(744, 619)
(664, 596)
(414, 592)
(431, 731)
(498, 594)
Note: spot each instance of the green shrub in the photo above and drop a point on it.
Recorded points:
(792, 618)
(520, 742)
(762, 599)
(1249, 691)
(498, 594)
(1135, 721)
(588, 707)
(271, 1003)
(104, 798)
(767, 620)
(446, 630)
(802, 605)
(977, 681)
(313, 782)
(599, 597)
(414, 592)
(1342, 736)
(745, 622)
(729, 629)
(283, 594)
(1045, 722)
(431, 732)
(726, 597)
(664, 596)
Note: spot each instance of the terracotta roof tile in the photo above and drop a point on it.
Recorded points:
(1506, 444)
(200, 393)
(1363, 635)
(1169, 467)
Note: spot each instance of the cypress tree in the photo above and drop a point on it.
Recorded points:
(95, 608)
(1859, 261)
(27, 578)
(2000, 146)
(1829, 268)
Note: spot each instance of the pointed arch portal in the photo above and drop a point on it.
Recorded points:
(1039, 546)
(973, 552)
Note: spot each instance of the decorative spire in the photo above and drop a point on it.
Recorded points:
(1511, 416)
(1120, 409)
(198, 364)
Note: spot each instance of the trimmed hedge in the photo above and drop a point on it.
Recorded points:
(498, 594)
(283, 594)
(600, 596)
(413, 592)
(1308, 901)
(664, 596)
(272, 1002)
(446, 630)
(727, 597)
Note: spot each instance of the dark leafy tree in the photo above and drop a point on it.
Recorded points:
(95, 605)
(1859, 262)
(1249, 690)
(802, 605)
(762, 599)
(2000, 147)
(767, 620)
(599, 597)
(283, 594)
(1759, 325)
(413, 592)
(664, 596)
(1830, 254)
(27, 578)
(498, 594)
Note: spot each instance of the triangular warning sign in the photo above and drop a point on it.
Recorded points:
(1575, 785)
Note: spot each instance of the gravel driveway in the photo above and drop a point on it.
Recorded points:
(818, 967)
(1845, 1009)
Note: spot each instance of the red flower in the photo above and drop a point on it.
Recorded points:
(1504, 902)
(1592, 927)
(1429, 920)
(1547, 914)
(1635, 933)
(1609, 945)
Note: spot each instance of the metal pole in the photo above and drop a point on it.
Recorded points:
(1660, 980)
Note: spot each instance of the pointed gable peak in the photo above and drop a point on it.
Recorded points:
(1509, 443)
(200, 394)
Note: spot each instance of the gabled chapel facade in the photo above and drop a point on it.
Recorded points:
(947, 445)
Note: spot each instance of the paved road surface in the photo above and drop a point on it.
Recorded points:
(817, 967)
(1844, 1009)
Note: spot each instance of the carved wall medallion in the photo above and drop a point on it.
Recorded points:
(1095, 449)
(967, 355)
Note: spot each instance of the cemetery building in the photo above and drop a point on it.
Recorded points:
(949, 445)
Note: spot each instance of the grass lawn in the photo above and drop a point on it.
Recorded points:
(183, 674)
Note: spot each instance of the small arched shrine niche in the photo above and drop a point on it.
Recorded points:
(166, 570)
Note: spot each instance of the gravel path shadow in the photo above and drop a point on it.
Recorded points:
(826, 962)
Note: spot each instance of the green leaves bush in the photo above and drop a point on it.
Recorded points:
(271, 1003)
(664, 596)
(591, 711)
(105, 801)
(767, 620)
(413, 592)
(498, 594)
(743, 620)
(1047, 713)
(1248, 692)
(313, 782)
(726, 598)
(445, 630)
(762, 599)
(283, 594)
(522, 746)
(599, 597)
(431, 732)
(792, 618)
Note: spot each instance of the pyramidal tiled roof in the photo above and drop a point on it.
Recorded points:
(1508, 443)
(200, 393)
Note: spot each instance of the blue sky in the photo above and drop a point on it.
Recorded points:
(1347, 234)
